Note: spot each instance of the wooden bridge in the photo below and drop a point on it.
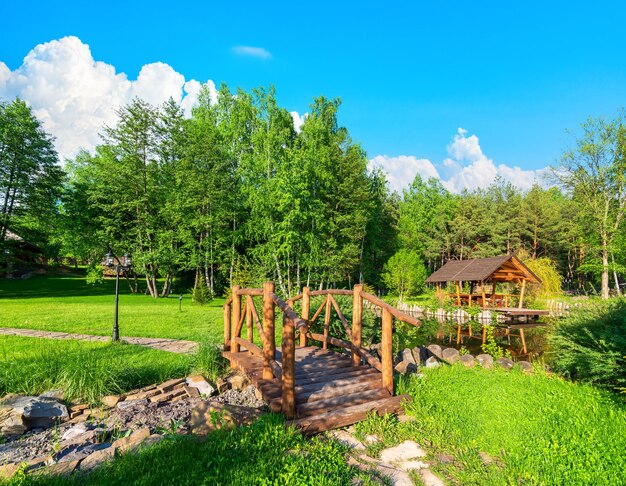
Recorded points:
(315, 387)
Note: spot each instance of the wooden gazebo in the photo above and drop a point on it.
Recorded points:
(505, 268)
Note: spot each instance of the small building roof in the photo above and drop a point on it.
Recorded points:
(505, 268)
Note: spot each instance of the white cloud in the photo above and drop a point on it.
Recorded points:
(298, 120)
(467, 168)
(251, 51)
(75, 96)
(402, 170)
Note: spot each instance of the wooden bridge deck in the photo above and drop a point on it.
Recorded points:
(330, 392)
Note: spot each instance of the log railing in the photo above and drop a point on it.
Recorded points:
(235, 316)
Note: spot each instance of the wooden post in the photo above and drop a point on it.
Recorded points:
(521, 295)
(326, 322)
(289, 369)
(269, 347)
(236, 317)
(227, 310)
(306, 308)
(521, 334)
(386, 351)
(484, 333)
(357, 322)
(458, 334)
(458, 294)
(249, 332)
(482, 288)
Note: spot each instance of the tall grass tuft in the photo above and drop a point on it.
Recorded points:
(209, 362)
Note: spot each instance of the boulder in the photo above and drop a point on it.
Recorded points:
(467, 360)
(432, 362)
(525, 366)
(110, 400)
(200, 383)
(128, 404)
(96, 458)
(209, 416)
(435, 350)
(58, 394)
(222, 385)
(406, 355)
(133, 441)
(238, 382)
(485, 360)
(505, 363)
(21, 413)
(58, 469)
(404, 367)
(419, 355)
(75, 432)
(77, 452)
(450, 355)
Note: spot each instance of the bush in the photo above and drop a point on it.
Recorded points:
(201, 293)
(590, 344)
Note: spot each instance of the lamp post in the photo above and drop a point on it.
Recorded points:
(110, 263)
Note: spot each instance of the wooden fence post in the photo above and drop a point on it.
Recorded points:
(326, 322)
(387, 351)
(289, 369)
(236, 317)
(357, 322)
(249, 333)
(227, 310)
(269, 346)
(306, 306)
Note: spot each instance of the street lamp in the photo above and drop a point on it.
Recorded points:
(110, 263)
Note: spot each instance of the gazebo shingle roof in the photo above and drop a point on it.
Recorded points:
(502, 268)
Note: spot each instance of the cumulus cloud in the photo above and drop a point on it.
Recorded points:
(467, 167)
(251, 51)
(75, 96)
(298, 120)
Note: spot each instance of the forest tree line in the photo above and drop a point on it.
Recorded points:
(234, 194)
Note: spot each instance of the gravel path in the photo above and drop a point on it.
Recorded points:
(169, 345)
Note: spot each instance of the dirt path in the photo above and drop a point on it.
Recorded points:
(169, 345)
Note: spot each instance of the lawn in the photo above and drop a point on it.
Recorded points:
(65, 302)
(534, 429)
(87, 370)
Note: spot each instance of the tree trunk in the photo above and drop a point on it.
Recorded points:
(618, 291)
(605, 272)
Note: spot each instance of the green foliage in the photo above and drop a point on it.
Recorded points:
(590, 344)
(94, 274)
(209, 362)
(201, 293)
(546, 270)
(490, 346)
(405, 273)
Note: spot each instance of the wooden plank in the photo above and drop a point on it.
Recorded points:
(323, 394)
(323, 406)
(398, 314)
(251, 292)
(331, 292)
(326, 374)
(386, 350)
(349, 415)
(252, 348)
(333, 382)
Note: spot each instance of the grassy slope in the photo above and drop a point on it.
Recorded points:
(539, 429)
(67, 303)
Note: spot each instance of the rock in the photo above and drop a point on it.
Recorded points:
(58, 394)
(467, 360)
(8, 470)
(445, 458)
(404, 367)
(58, 469)
(237, 382)
(128, 404)
(18, 413)
(151, 440)
(110, 400)
(432, 362)
(74, 432)
(347, 440)
(406, 418)
(133, 441)
(257, 393)
(407, 355)
(199, 382)
(402, 452)
(435, 350)
(525, 366)
(97, 458)
(170, 384)
(79, 408)
(207, 416)
(77, 452)
(371, 439)
(143, 394)
(485, 360)
(450, 355)
(429, 478)
(505, 363)
(419, 354)
(222, 385)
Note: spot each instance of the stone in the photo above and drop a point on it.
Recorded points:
(74, 432)
(222, 385)
(435, 350)
(407, 355)
(450, 355)
(257, 394)
(525, 366)
(170, 384)
(128, 404)
(237, 382)
(347, 440)
(432, 362)
(208, 416)
(151, 440)
(467, 360)
(371, 439)
(8, 470)
(143, 394)
(419, 355)
(485, 360)
(97, 458)
(58, 394)
(429, 478)
(505, 363)
(404, 367)
(192, 392)
(406, 418)
(21, 413)
(58, 469)
(110, 400)
(200, 383)
(445, 458)
(77, 452)
(133, 441)
(403, 452)
(79, 408)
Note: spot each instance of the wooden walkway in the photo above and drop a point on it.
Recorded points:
(330, 392)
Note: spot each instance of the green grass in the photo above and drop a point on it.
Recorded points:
(88, 371)
(67, 303)
(264, 453)
(538, 429)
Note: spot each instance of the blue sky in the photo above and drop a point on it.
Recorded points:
(410, 74)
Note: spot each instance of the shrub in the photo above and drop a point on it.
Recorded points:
(405, 273)
(590, 344)
(201, 293)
